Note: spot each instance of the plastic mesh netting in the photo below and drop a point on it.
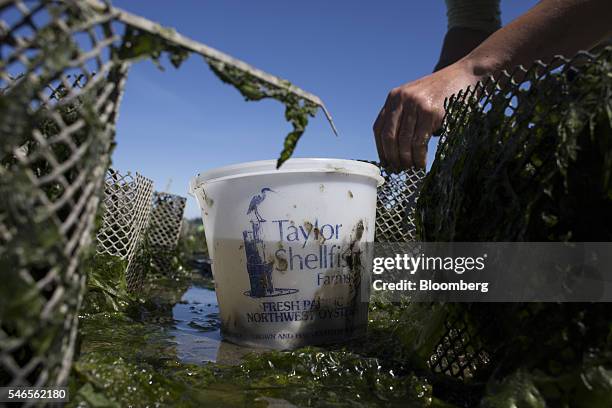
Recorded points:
(57, 112)
(63, 65)
(61, 81)
(533, 140)
(519, 126)
(459, 353)
(126, 213)
(395, 204)
(165, 227)
(511, 138)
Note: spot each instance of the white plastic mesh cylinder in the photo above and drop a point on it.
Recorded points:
(126, 212)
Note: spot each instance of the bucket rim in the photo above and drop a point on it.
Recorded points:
(294, 165)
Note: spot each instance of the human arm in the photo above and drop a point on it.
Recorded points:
(413, 111)
(458, 42)
(469, 23)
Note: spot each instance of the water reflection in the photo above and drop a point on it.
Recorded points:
(197, 331)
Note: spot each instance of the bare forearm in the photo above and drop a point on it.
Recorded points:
(552, 27)
(413, 111)
(458, 42)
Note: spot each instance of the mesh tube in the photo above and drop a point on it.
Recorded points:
(58, 106)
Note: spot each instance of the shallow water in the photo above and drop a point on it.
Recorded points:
(197, 332)
(168, 350)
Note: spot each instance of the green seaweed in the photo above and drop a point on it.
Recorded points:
(139, 44)
(297, 109)
(541, 173)
(106, 285)
(37, 295)
(317, 377)
(588, 386)
(129, 358)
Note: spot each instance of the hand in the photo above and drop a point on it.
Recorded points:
(413, 112)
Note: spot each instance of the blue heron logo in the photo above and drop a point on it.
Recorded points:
(259, 267)
(256, 201)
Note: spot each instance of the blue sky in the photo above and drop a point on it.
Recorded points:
(176, 123)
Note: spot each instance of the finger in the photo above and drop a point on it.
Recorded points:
(405, 136)
(378, 136)
(422, 134)
(390, 122)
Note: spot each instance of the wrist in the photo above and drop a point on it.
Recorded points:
(481, 67)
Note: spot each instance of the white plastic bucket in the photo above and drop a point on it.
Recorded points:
(290, 248)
